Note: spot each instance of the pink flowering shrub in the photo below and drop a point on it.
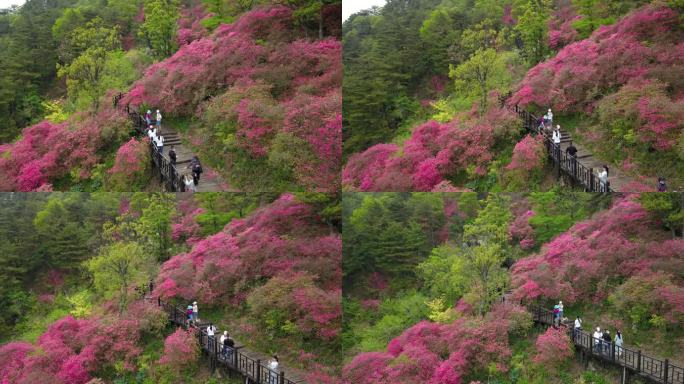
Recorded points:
(561, 31)
(644, 44)
(520, 230)
(433, 152)
(131, 166)
(185, 228)
(71, 350)
(527, 163)
(46, 152)
(261, 111)
(585, 262)
(442, 353)
(553, 347)
(280, 260)
(181, 350)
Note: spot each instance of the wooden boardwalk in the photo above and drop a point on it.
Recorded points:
(171, 176)
(252, 366)
(583, 170)
(631, 360)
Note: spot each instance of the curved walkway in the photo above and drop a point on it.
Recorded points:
(171, 176)
(583, 170)
(631, 360)
(250, 365)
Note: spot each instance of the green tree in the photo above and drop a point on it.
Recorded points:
(119, 265)
(478, 73)
(154, 224)
(62, 241)
(160, 26)
(533, 29)
(668, 207)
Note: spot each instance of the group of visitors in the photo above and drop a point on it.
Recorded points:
(158, 118)
(602, 342)
(192, 313)
(156, 137)
(226, 344)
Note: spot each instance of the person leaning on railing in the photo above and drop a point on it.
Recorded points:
(571, 151)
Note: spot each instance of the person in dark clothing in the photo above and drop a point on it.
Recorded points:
(151, 286)
(571, 151)
(172, 156)
(196, 168)
(662, 187)
(606, 341)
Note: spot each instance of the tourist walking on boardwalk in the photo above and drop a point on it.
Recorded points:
(196, 168)
(560, 309)
(160, 144)
(603, 179)
(577, 327)
(661, 185)
(172, 155)
(571, 152)
(148, 117)
(189, 313)
(273, 367)
(210, 336)
(150, 132)
(548, 120)
(597, 336)
(556, 316)
(606, 341)
(159, 118)
(618, 343)
(195, 312)
(556, 137)
(189, 184)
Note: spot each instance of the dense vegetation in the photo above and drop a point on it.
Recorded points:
(425, 306)
(70, 263)
(610, 70)
(261, 119)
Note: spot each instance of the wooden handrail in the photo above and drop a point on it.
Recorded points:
(169, 176)
(236, 358)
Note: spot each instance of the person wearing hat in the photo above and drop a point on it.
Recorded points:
(148, 117)
(159, 117)
(195, 312)
(189, 313)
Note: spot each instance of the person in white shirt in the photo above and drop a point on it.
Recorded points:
(578, 323)
(598, 339)
(556, 138)
(160, 144)
(273, 373)
(618, 343)
(603, 179)
(159, 118)
(189, 184)
(195, 312)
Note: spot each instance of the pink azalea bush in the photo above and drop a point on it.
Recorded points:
(553, 347)
(181, 350)
(130, 166)
(561, 31)
(259, 107)
(185, 228)
(72, 351)
(282, 259)
(440, 353)
(644, 44)
(527, 163)
(434, 152)
(47, 151)
(586, 262)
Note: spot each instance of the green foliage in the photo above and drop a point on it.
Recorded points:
(533, 29)
(81, 303)
(556, 212)
(154, 225)
(160, 26)
(478, 75)
(117, 267)
(668, 207)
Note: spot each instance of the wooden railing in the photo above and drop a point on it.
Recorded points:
(563, 162)
(236, 359)
(655, 369)
(169, 176)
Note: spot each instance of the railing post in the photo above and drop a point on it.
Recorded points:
(282, 378)
(612, 352)
(639, 361)
(591, 180)
(666, 369)
(159, 301)
(258, 371)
